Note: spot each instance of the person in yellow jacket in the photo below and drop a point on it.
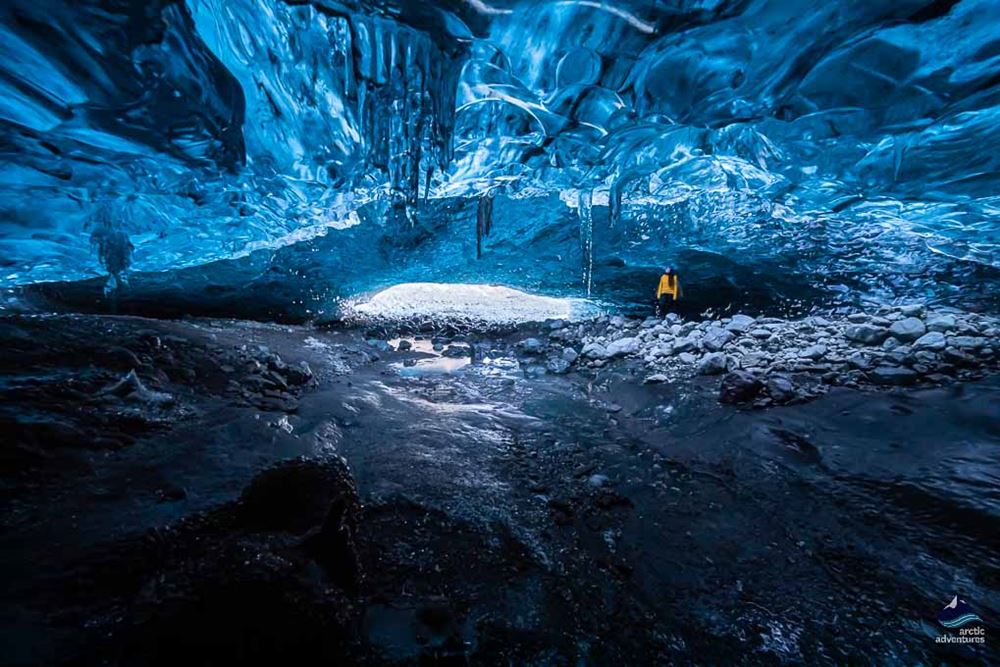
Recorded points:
(668, 291)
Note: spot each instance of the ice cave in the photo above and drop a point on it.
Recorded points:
(475, 332)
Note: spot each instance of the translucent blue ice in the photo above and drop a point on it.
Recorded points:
(853, 147)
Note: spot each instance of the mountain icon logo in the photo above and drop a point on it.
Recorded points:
(957, 614)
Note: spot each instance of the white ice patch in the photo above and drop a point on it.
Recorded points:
(487, 303)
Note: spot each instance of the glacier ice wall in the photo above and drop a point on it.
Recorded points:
(570, 146)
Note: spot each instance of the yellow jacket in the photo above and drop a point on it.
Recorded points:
(669, 284)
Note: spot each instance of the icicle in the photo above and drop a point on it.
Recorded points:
(615, 201)
(585, 211)
(484, 221)
(427, 183)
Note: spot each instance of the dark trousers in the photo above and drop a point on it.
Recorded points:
(663, 305)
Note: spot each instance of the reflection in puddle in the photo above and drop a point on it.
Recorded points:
(435, 364)
(432, 362)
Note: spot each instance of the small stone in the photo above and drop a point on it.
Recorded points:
(656, 378)
(557, 366)
(530, 346)
(404, 345)
(912, 310)
(934, 340)
(713, 363)
(569, 354)
(597, 480)
(687, 357)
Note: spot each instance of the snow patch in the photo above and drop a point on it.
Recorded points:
(493, 304)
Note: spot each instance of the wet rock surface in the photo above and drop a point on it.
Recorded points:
(403, 506)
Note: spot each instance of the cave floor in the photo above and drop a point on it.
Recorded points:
(507, 517)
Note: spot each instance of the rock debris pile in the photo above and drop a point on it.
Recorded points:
(769, 360)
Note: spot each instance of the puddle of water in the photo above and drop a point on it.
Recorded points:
(435, 364)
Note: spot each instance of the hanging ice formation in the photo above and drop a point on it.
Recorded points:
(586, 213)
(484, 220)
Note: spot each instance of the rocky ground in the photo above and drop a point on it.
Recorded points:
(767, 361)
(213, 492)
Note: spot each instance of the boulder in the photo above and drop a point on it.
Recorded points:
(858, 361)
(713, 363)
(933, 340)
(967, 342)
(569, 354)
(716, 338)
(893, 376)
(814, 352)
(941, 323)
(781, 389)
(740, 323)
(953, 355)
(458, 351)
(299, 374)
(866, 334)
(908, 329)
(687, 344)
(739, 387)
(912, 310)
(404, 345)
(622, 347)
(594, 351)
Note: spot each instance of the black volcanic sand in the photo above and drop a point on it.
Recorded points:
(204, 515)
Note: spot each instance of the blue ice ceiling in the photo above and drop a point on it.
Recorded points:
(850, 146)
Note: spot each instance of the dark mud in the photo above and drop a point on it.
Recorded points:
(387, 507)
